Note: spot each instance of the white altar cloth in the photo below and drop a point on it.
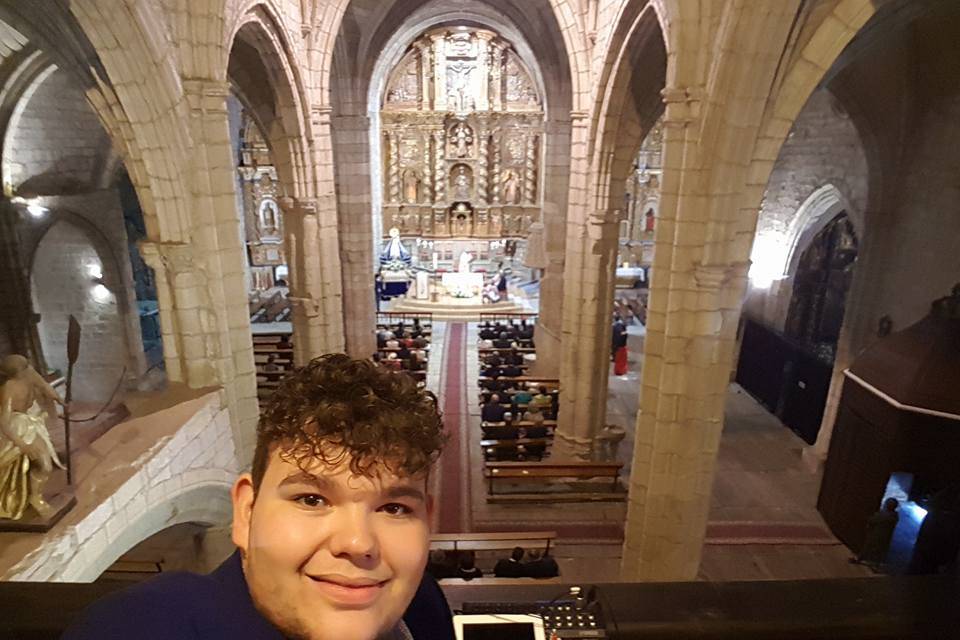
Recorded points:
(462, 285)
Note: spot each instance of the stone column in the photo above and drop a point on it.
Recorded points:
(439, 72)
(359, 250)
(439, 167)
(317, 322)
(691, 328)
(320, 219)
(215, 270)
(587, 303)
(180, 297)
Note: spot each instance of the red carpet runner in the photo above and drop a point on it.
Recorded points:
(453, 503)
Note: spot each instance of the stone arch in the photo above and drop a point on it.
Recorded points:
(816, 212)
(810, 65)
(627, 105)
(74, 271)
(206, 503)
(286, 121)
(574, 40)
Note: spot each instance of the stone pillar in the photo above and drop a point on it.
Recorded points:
(439, 72)
(187, 347)
(359, 250)
(691, 329)
(587, 304)
(317, 323)
(215, 270)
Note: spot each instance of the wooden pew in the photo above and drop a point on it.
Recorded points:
(537, 447)
(548, 471)
(492, 541)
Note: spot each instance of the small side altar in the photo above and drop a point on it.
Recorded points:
(462, 285)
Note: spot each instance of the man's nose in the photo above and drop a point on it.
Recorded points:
(353, 535)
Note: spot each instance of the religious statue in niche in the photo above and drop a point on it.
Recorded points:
(461, 182)
(411, 186)
(509, 187)
(268, 218)
(461, 138)
(27, 456)
(462, 215)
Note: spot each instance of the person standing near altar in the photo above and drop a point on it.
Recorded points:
(464, 265)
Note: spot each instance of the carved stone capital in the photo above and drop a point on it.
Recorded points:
(170, 258)
(607, 217)
(206, 96)
(710, 277)
(683, 105)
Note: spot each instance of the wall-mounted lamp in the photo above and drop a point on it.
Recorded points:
(37, 211)
(99, 292)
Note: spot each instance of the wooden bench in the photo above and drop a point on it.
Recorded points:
(547, 471)
(536, 380)
(491, 541)
(506, 349)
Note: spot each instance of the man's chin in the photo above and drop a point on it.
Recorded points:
(336, 625)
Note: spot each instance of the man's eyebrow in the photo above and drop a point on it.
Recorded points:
(306, 478)
(404, 491)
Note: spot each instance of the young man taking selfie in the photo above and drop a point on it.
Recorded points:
(331, 524)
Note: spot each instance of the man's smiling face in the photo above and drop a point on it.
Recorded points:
(329, 554)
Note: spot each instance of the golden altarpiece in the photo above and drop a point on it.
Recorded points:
(263, 220)
(462, 127)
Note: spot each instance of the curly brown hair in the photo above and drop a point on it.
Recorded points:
(375, 416)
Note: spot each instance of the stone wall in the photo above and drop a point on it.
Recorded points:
(823, 148)
(920, 242)
(63, 285)
(55, 143)
(150, 473)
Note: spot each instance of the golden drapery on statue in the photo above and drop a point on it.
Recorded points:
(27, 456)
(15, 462)
(14, 481)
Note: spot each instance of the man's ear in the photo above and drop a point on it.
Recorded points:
(242, 495)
